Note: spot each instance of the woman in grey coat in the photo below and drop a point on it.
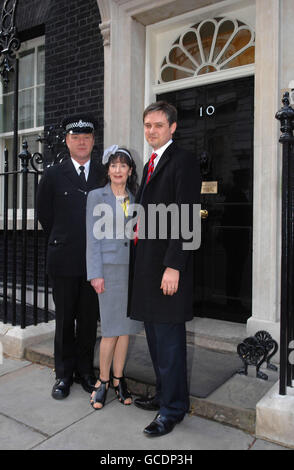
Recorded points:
(108, 249)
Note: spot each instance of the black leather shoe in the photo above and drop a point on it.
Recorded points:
(87, 381)
(148, 403)
(61, 388)
(159, 426)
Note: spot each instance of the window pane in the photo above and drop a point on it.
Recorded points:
(177, 56)
(207, 33)
(26, 69)
(31, 92)
(33, 146)
(247, 57)
(241, 39)
(40, 106)
(169, 74)
(26, 109)
(224, 34)
(41, 65)
(208, 47)
(9, 145)
(191, 44)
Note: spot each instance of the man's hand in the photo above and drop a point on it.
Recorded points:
(170, 281)
(98, 285)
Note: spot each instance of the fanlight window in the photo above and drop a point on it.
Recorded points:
(210, 46)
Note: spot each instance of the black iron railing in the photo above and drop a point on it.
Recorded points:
(286, 118)
(24, 286)
(16, 281)
(22, 243)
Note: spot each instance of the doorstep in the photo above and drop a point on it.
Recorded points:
(233, 402)
(215, 334)
(14, 340)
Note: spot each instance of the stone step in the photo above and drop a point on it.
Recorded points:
(232, 401)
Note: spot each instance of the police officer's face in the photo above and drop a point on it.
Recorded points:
(157, 129)
(80, 146)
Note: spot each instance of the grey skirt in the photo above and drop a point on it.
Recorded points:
(113, 303)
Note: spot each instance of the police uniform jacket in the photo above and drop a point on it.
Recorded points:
(61, 208)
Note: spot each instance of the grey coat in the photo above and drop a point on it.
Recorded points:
(110, 250)
(108, 258)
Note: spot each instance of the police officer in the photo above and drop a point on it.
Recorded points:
(61, 207)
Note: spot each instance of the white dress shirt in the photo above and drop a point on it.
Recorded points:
(86, 166)
(160, 151)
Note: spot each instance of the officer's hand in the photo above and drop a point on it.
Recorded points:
(170, 281)
(98, 285)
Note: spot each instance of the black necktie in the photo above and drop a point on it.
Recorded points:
(83, 177)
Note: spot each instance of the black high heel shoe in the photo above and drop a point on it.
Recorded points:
(100, 394)
(121, 390)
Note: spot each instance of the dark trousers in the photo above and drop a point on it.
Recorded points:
(168, 350)
(76, 312)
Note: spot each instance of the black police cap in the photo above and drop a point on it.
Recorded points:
(79, 124)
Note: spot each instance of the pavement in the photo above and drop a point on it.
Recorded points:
(216, 391)
(31, 420)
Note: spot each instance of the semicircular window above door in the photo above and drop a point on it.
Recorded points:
(210, 46)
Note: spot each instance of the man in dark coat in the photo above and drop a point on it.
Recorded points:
(161, 290)
(61, 207)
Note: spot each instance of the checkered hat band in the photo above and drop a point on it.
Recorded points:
(79, 124)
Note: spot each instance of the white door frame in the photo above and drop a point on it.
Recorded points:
(125, 99)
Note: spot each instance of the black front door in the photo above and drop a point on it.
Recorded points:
(215, 122)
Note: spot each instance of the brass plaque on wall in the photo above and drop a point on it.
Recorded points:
(209, 187)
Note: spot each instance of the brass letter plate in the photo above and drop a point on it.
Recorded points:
(209, 187)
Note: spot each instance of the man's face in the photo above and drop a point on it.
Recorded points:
(157, 129)
(80, 146)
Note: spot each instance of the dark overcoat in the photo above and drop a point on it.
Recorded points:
(175, 180)
(61, 209)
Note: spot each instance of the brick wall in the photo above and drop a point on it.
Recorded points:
(74, 74)
(74, 62)
(74, 79)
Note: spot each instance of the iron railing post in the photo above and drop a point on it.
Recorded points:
(25, 157)
(15, 193)
(286, 118)
(36, 252)
(284, 276)
(5, 237)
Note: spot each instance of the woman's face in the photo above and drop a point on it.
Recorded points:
(119, 171)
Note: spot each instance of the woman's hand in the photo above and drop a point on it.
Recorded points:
(170, 281)
(98, 285)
